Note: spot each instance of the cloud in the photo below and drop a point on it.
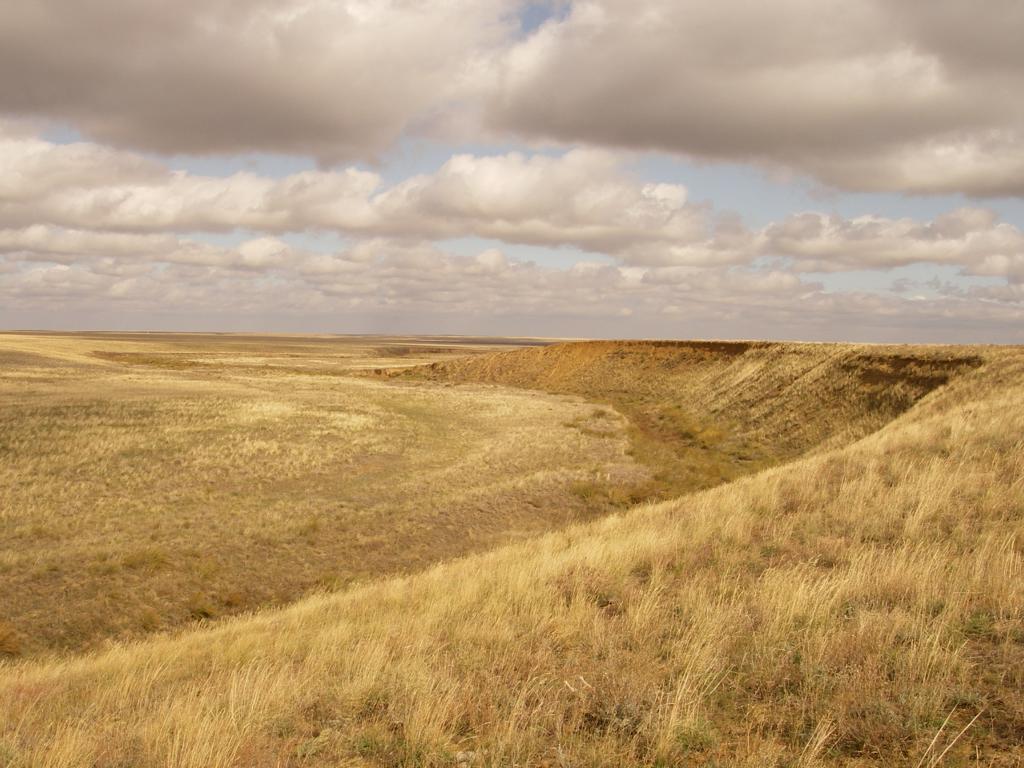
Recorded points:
(915, 97)
(919, 96)
(90, 229)
(338, 79)
(381, 284)
(86, 185)
(52, 196)
(375, 274)
(1010, 266)
(58, 244)
(971, 238)
(582, 199)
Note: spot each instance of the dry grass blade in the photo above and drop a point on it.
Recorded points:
(953, 741)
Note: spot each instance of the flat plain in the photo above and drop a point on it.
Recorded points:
(224, 550)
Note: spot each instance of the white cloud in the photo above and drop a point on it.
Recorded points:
(911, 96)
(583, 199)
(914, 96)
(338, 79)
(971, 238)
(263, 280)
(60, 202)
(87, 186)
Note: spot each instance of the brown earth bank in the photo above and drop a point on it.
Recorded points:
(706, 412)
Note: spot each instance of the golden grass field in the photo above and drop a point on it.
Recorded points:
(147, 482)
(835, 574)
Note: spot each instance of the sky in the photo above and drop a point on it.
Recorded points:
(804, 169)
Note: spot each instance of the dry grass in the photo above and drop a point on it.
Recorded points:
(703, 413)
(150, 482)
(860, 606)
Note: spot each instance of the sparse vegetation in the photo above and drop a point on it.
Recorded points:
(859, 605)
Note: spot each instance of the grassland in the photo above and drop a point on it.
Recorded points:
(149, 482)
(860, 602)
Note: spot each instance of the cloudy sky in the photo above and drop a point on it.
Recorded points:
(804, 169)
